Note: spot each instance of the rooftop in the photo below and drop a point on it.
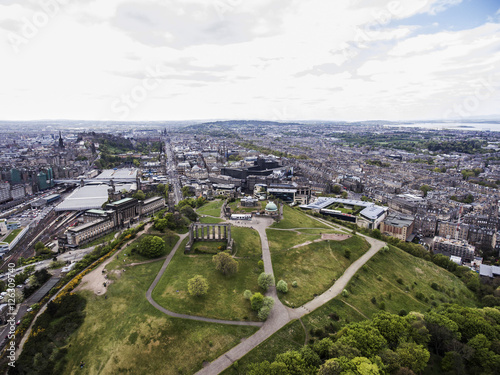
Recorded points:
(90, 196)
(399, 220)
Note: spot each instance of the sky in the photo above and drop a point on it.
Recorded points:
(279, 60)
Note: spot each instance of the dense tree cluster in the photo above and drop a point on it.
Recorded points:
(151, 247)
(465, 341)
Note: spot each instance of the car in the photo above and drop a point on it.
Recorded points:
(29, 309)
(18, 322)
(19, 286)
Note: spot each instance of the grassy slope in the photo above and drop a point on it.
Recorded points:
(280, 240)
(246, 242)
(125, 334)
(212, 208)
(225, 294)
(99, 241)
(296, 219)
(315, 267)
(378, 278)
(389, 266)
(210, 220)
(169, 237)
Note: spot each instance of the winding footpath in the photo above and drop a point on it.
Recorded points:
(185, 316)
(280, 314)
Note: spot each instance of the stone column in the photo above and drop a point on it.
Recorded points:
(213, 232)
(229, 233)
(191, 234)
(219, 231)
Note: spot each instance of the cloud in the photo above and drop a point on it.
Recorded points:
(232, 58)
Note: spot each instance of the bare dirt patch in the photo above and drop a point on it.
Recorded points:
(335, 236)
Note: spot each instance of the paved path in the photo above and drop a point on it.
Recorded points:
(185, 316)
(281, 315)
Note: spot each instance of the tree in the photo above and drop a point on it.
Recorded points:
(197, 286)
(268, 302)
(394, 328)
(257, 301)
(344, 194)
(265, 280)
(364, 337)
(263, 313)
(151, 247)
(160, 188)
(376, 234)
(413, 356)
(247, 294)
(160, 224)
(139, 194)
(189, 213)
(186, 191)
(225, 263)
(282, 286)
(425, 189)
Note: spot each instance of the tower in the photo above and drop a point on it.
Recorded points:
(61, 143)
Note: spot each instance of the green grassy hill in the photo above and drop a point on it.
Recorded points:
(378, 279)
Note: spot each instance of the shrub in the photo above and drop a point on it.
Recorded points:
(261, 264)
(294, 284)
(263, 313)
(347, 254)
(282, 286)
(257, 301)
(265, 280)
(345, 293)
(268, 302)
(247, 294)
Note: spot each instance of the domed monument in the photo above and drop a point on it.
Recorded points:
(271, 208)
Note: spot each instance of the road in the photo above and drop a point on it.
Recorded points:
(172, 172)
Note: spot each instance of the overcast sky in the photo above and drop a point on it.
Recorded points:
(253, 59)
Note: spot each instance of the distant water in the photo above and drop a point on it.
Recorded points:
(476, 126)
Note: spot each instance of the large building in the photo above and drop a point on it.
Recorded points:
(97, 222)
(454, 247)
(398, 225)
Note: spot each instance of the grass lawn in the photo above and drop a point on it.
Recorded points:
(99, 241)
(207, 247)
(246, 242)
(12, 235)
(169, 237)
(285, 239)
(296, 219)
(224, 299)
(210, 220)
(290, 337)
(125, 334)
(236, 207)
(211, 208)
(319, 231)
(314, 267)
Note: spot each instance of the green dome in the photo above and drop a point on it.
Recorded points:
(271, 207)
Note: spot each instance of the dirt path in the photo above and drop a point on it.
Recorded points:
(97, 281)
(355, 309)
